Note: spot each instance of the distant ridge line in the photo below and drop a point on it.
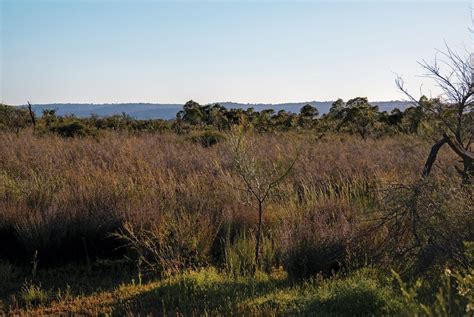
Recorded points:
(166, 111)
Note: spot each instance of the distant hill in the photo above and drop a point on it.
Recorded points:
(168, 111)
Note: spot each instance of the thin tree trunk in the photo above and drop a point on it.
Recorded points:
(468, 172)
(32, 115)
(259, 233)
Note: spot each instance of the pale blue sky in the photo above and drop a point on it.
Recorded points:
(243, 51)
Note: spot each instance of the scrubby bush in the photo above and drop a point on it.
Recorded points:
(173, 246)
(317, 241)
(14, 118)
(208, 138)
(71, 129)
(426, 223)
(452, 294)
(33, 295)
(364, 293)
(239, 255)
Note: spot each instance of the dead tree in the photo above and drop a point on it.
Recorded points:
(32, 115)
(452, 73)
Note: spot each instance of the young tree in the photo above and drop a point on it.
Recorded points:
(453, 109)
(259, 176)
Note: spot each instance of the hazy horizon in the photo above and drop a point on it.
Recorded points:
(245, 52)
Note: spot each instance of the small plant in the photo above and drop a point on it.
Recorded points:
(240, 255)
(32, 294)
(65, 294)
(453, 295)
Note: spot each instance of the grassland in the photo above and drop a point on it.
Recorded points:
(333, 229)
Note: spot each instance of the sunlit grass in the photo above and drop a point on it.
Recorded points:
(207, 291)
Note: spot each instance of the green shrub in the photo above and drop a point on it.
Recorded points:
(33, 295)
(240, 255)
(361, 294)
(208, 138)
(72, 129)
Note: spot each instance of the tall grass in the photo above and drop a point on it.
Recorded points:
(65, 197)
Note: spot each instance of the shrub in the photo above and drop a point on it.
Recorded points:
(426, 223)
(317, 241)
(208, 138)
(72, 129)
(360, 294)
(239, 255)
(181, 241)
(33, 295)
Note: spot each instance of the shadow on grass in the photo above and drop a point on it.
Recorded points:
(200, 293)
(100, 276)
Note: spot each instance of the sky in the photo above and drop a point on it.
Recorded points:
(110, 51)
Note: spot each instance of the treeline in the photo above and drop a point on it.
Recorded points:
(356, 116)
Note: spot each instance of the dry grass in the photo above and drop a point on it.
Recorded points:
(62, 197)
(179, 205)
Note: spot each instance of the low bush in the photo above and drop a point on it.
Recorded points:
(239, 255)
(70, 129)
(208, 138)
(426, 223)
(33, 295)
(317, 241)
(175, 245)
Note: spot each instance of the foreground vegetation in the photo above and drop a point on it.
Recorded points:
(206, 291)
(332, 232)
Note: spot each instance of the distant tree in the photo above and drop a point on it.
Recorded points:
(309, 111)
(192, 113)
(336, 109)
(453, 110)
(412, 118)
(284, 120)
(14, 118)
(359, 116)
(308, 114)
(264, 120)
(215, 116)
(49, 118)
(237, 117)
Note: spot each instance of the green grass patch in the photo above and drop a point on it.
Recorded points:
(210, 292)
